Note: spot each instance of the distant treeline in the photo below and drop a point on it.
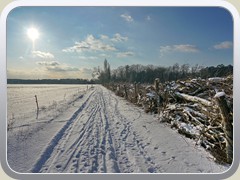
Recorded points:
(147, 74)
(138, 73)
(50, 81)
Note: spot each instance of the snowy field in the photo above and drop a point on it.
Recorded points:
(90, 130)
(22, 103)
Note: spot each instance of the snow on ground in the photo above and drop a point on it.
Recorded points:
(52, 99)
(103, 133)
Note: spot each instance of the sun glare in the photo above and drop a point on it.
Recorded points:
(33, 33)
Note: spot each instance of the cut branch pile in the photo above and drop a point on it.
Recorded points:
(201, 109)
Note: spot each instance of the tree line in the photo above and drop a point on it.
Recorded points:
(138, 73)
(148, 73)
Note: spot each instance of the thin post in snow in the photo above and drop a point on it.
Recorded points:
(37, 105)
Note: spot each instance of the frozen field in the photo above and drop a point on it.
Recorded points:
(51, 98)
(82, 130)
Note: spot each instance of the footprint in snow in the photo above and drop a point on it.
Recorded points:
(151, 169)
(58, 166)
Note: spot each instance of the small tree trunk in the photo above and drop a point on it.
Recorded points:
(135, 92)
(193, 99)
(227, 125)
(156, 85)
(118, 90)
(125, 91)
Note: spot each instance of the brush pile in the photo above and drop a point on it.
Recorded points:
(201, 109)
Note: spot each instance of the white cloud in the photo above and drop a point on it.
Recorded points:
(85, 73)
(54, 72)
(104, 55)
(48, 63)
(61, 68)
(44, 55)
(87, 57)
(224, 45)
(127, 17)
(118, 38)
(185, 48)
(102, 36)
(125, 54)
(35, 73)
(21, 58)
(90, 44)
(148, 18)
(55, 66)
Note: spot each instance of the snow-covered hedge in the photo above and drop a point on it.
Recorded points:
(189, 106)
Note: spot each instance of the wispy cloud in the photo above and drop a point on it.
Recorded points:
(87, 57)
(223, 45)
(55, 66)
(85, 73)
(185, 48)
(104, 55)
(90, 44)
(48, 63)
(61, 68)
(44, 55)
(119, 38)
(102, 36)
(34, 73)
(125, 54)
(148, 18)
(127, 17)
(47, 70)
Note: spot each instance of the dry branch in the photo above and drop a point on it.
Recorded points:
(227, 124)
(189, 107)
(193, 99)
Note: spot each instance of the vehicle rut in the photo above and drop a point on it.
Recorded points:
(97, 139)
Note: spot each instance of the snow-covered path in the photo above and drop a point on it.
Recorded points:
(107, 135)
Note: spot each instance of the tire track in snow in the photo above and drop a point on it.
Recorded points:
(97, 153)
(90, 151)
(67, 151)
(48, 151)
(74, 147)
(132, 151)
(110, 137)
(99, 139)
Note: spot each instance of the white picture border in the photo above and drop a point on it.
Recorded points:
(109, 3)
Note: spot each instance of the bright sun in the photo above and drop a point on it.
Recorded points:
(33, 33)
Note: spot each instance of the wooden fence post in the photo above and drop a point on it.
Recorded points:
(37, 105)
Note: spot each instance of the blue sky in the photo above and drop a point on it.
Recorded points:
(74, 40)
